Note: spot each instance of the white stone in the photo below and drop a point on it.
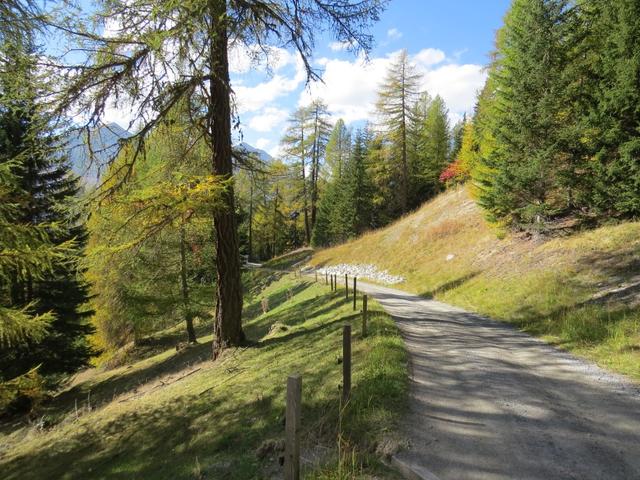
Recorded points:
(367, 271)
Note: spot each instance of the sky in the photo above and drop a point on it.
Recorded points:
(448, 41)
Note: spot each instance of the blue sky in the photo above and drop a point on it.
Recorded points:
(449, 42)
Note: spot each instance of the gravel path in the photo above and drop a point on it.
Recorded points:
(489, 402)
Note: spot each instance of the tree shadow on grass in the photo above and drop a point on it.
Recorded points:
(451, 285)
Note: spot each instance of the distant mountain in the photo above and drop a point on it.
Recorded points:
(250, 150)
(104, 146)
(105, 142)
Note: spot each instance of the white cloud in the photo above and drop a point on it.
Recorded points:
(254, 98)
(394, 34)
(350, 87)
(263, 143)
(428, 57)
(339, 46)
(243, 58)
(268, 119)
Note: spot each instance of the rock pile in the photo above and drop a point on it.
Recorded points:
(363, 271)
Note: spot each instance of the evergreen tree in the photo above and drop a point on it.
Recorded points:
(321, 129)
(612, 119)
(434, 155)
(48, 185)
(297, 144)
(396, 98)
(530, 116)
(457, 132)
(338, 148)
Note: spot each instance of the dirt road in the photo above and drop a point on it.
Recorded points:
(489, 402)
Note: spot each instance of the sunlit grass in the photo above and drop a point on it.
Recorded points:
(175, 414)
(547, 287)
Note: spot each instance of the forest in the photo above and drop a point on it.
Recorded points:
(553, 145)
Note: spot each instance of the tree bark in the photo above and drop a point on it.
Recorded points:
(228, 322)
(188, 318)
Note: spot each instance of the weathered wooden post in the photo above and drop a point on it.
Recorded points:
(355, 296)
(316, 276)
(292, 428)
(346, 286)
(364, 315)
(326, 278)
(346, 362)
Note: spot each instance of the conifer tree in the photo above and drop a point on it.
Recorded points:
(338, 148)
(396, 98)
(530, 116)
(612, 110)
(47, 186)
(434, 155)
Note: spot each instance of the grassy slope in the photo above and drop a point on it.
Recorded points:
(178, 415)
(544, 287)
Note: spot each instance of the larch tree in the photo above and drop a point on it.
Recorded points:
(396, 98)
(297, 145)
(153, 54)
(321, 129)
(338, 148)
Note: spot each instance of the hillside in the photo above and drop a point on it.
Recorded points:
(168, 412)
(579, 292)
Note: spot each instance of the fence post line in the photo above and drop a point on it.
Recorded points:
(292, 428)
(346, 286)
(346, 362)
(355, 296)
(364, 315)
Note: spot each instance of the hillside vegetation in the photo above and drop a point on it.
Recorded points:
(578, 291)
(172, 413)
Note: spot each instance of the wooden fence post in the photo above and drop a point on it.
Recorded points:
(316, 276)
(346, 286)
(346, 363)
(364, 315)
(326, 278)
(292, 428)
(355, 284)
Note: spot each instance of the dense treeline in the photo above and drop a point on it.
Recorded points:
(332, 183)
(44, 316)
(555, 135)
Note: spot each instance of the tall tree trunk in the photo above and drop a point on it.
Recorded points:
(250, 249)
(188, 318)
(305, 202)
(228, 323)
(405, 170)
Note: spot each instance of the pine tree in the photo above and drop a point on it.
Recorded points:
(434, 155)
(529, 120)
(396, 98)
(48, 185)
(338, 148)
(297, 144)
(457, 132)
(321, 129)
(612, 122)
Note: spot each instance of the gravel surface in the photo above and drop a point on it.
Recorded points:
(368, 271)
(490, 402)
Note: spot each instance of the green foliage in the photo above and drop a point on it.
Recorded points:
(42, 294)
(345, 208)
(531, 114)
(138, 233)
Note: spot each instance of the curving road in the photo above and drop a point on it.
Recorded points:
(489, 402)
